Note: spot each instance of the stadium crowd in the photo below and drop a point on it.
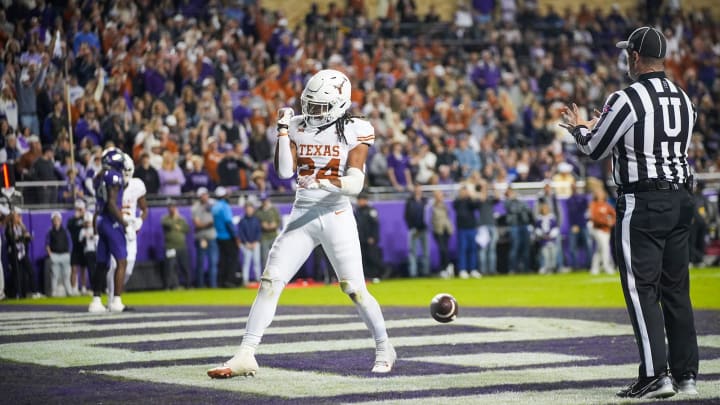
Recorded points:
(190, 90)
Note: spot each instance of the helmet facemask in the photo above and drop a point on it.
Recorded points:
(316, 114)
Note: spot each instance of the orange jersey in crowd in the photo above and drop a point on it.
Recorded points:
(602, 215)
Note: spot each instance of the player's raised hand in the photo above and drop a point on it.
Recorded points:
(284, 116)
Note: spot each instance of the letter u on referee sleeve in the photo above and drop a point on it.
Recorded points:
(632, 298)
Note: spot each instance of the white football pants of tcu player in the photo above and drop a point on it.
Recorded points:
(336, 230)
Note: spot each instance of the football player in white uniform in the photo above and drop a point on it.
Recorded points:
(133, 197)
(328, 148)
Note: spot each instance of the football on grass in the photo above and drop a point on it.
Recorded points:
(444, 308)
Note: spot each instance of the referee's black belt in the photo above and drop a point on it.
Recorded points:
(652, 185)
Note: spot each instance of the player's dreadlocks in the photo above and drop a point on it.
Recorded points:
(340, 125)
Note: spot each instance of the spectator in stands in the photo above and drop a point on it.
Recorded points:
(10, 153)
(415, 208)
(442, 229)
(468, 160)
(466, 223)
(27, 159)
(57, 246)
(21, 270)
(519, 219)
(148, 174)
(602, 216)
(399, 168)
(55, 124)
(171, 177)
(699, 226)
(198, 177)
(75, 225)
(28, 82)
(233, 172)
(206, 246)
(8, 106)
(227, 239)
(548, 196)
(88, 126)
(260, 149)
(250, 232)
(487, 231)
(377, 171)
(88, 242)
(546, 231)
(44, 170)
(369, 233)
(269, 217)
(177, 258)
(425, 162)
(579, 236)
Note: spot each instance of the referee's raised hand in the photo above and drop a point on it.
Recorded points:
(571, 118)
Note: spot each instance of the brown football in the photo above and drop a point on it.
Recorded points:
(444, 308)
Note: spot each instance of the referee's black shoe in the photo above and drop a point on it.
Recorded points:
(685, 384)
(649, 387)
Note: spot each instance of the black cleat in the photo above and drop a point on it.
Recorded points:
(649, 387)
(685, 384)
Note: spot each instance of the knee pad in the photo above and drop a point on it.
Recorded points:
(270, 286)
(355, 293)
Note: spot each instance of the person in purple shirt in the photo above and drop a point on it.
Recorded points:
(285, 50)
(88, 126)
(276, 182)
(171, 176)
(486, 74)
(399, 168)
(198, 177)
(154, 80)
(110, 226)
(579, 236)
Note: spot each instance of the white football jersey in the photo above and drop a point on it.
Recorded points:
(322, 154)
(132, 193)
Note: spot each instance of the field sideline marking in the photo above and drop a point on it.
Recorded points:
(85, 352)
(303, 384)
(596, 395)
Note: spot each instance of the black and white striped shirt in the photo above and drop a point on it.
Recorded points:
(647, 126)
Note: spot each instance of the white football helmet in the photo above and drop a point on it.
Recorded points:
(325, 98)
(128, 168)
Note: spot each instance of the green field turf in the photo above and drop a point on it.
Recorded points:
(578, 290)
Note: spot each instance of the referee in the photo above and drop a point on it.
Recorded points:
(647, 128)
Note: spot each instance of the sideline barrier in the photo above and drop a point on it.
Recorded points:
(393, 229)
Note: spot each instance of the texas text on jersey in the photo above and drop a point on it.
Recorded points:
(320, 152)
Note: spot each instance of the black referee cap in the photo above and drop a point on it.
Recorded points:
(646, 41)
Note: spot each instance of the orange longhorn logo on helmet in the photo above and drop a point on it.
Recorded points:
(339, 87)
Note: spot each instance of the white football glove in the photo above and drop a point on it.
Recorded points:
(308, 182)
(284, 116)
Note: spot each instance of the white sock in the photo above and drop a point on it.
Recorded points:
(369, 311)
(261, 313)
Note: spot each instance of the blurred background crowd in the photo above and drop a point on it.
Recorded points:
(190, 89)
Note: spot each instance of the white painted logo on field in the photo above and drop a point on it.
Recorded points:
(491, 368)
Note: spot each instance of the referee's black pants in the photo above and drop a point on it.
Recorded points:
(651, 240)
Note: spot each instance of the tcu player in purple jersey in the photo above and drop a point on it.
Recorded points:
(110, 226)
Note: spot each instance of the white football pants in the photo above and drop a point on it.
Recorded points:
(336, 230)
